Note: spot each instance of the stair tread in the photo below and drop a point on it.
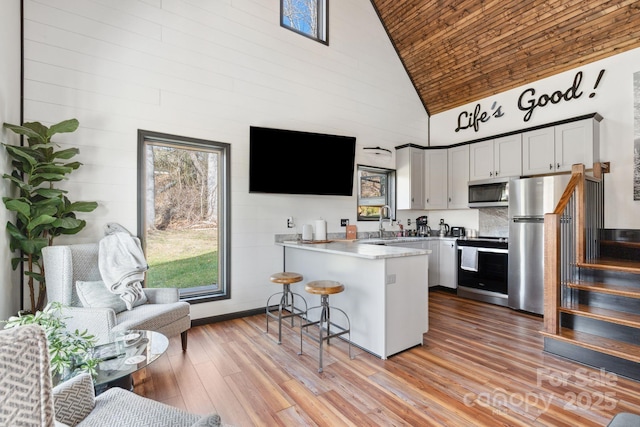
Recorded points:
(620, 243)
(612, 264)
(613, 316)
(597, 343)
(607, 288)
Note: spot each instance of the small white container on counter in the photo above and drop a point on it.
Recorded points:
(321, 229)
(307, 232)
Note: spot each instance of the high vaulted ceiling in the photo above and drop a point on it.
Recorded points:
(459, 51)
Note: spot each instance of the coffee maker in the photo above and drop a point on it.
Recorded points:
(421, 226)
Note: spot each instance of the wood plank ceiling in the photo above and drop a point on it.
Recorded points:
(459, 51)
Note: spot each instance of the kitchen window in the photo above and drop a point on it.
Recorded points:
(376, 188)
(183, 214)
(306, 17)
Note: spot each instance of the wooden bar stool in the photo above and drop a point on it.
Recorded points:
(287, 302)
(324, 288)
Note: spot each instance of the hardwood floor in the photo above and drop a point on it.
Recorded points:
(480, 365)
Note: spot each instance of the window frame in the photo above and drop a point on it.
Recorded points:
(322, 18)
(390, 198)
(224, 231)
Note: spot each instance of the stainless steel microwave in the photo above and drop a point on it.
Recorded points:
(490, 192)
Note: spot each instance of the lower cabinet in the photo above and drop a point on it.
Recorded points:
(434, 262)
(448, 263)
(443, 260)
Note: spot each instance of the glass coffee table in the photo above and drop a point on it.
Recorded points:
(129, 352)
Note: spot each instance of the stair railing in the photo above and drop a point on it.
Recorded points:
(571, 237)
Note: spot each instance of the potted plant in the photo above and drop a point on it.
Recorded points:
(68, 351)
(43, 211)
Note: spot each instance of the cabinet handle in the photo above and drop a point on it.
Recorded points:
(558, 165)
(427, 200)
(490, 173)
(550, 166)
(449, 198)
(496, 173)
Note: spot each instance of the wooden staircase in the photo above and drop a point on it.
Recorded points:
(592, 281)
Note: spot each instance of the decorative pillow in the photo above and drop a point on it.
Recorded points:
(95, 295)
(74, 399)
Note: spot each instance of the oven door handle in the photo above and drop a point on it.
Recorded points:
(491, 250)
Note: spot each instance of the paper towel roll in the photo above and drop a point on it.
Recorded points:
(321, 229)
(307, 232)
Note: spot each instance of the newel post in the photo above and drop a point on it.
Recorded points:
(551, 272)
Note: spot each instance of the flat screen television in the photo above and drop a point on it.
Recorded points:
(293, 162)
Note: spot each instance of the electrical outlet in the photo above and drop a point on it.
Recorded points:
(290, 223)
(344, 222)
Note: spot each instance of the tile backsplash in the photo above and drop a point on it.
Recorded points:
(493, 222)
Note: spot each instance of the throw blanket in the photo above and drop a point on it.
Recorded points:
(122, 263)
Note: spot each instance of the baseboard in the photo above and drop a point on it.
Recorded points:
(228, 316)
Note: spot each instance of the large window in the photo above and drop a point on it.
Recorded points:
(376, 188)
(183, 214)
(307, 17)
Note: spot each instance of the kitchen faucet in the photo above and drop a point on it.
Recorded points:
(382, 218)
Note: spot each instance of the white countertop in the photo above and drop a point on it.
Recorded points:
(355, 249)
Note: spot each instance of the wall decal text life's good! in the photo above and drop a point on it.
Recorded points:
(529, 102)
(473, 119)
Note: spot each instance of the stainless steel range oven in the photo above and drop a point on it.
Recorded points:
(483, 267)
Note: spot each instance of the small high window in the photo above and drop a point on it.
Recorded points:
(376, 188)
(306, 17)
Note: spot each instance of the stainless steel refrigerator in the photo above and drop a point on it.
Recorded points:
(529, 200)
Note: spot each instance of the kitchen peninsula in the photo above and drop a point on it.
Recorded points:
(386, 289)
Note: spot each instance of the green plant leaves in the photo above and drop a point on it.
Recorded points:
(23, 130)
(18, 206)
(67, 350)
(63, 127)
(43, 212)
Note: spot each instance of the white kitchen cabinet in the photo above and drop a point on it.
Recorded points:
(448, 263)
(434, 259)
(435, 168)
(538, 151)
(507, 156)
(410, 178)
(557, 148)
(458, 177)
(434, 262)
(496, 158)
(481, 160)
(577, 142)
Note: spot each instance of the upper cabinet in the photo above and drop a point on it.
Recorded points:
(557, 148)
(458, 177)
(495, 158)
(438, 177)
(410, 178)
(435, 163)
(507, 157)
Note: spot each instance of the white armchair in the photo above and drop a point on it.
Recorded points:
(65, 266)
(28, 398)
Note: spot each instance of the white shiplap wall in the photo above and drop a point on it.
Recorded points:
(210, 69)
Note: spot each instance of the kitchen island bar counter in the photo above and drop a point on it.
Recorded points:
(356, 249)
(386, 289)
